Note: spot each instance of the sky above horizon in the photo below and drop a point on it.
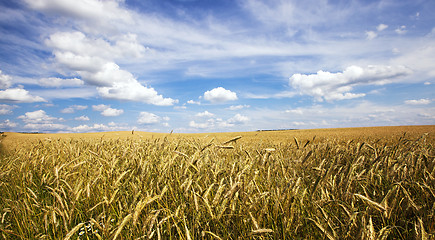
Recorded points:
(215, 66)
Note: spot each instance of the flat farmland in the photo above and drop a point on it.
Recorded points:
(348, 183)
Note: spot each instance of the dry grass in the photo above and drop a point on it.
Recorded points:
(371, 183)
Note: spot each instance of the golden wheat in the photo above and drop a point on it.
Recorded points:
(371, 183)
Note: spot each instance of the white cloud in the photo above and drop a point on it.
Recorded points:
(92, 14)
(180, 107)
(107, 111)
(418, 102)
(60, 82)
(213, 123)
(66, 93)
(148, 118)
(238, 119)
(83, 64)
(381, 27)
(6, 109)
(19, 95)
(95, 127)
(7, 124)
(134, 91)
(39, 121)
(337, 86)
(238, 107)
(78, 44)
(93, 60)
(371, 35)
(111, 126)
(296, 123)
(205, 114)
(73, 108)
(42, 127)
(82, 118)
(283, 94)
(194, 102)
(220, 95)
(352, 114)
(79, 107)
(401, 30)
(295, 111)
(108, 74)
(419, 57)
(5, 81)
(38, 117)
(100, 107)
(112, 112)
(207, 124)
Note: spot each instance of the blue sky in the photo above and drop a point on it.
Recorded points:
(213, 66)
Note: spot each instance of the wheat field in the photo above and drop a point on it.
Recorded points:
(354, 183)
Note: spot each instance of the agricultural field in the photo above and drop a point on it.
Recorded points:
(354, 183)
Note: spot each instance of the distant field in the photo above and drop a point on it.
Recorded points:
(350, 183)
(277, 137)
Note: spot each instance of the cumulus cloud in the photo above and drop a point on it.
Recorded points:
(19, 95)
(5, 81)
(338, 86)
(93, 128)
(111, 112)
(107, 111)
(111, 126)
(60, 82)
(134, 91)
(381, 27)
(79, 44)
(6, 109)
(100, 107)
(38, 117)
(205, 114)
(39, 121)
(418, 102)
(82, 118)
(7, 124)
(93, 59)
(238, 119)
(73, 108)
(220, 95)
(213, 122)
(148, 118)
(194, 102)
